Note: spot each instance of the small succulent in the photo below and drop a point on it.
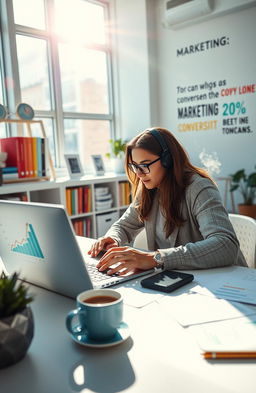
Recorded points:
(117, 146)
(13, 295)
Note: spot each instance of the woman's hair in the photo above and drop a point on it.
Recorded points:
(172, 187)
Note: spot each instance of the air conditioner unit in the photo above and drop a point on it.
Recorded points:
(181, 11)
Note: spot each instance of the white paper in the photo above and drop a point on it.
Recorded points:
(228, 336)
(191, 309)
(137, 296)
(237, 284)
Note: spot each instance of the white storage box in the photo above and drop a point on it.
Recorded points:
(104, 222)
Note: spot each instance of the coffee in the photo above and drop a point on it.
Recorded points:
(100, 299)
(99, 312)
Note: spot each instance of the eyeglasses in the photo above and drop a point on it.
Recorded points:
(142, 168)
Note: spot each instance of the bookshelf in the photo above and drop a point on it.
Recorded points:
(87, 218)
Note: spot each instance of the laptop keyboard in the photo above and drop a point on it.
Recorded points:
(95, 275)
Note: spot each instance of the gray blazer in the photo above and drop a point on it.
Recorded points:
(207, 238)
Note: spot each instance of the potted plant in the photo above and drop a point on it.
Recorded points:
(117, 147)
(16, 320)
(246, 184)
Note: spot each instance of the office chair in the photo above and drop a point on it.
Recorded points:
(141, 240)
(245, 229)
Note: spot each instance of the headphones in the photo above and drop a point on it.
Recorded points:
(166, 157)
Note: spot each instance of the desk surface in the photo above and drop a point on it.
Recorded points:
(160, 356)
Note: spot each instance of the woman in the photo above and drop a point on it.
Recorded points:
(180, 207)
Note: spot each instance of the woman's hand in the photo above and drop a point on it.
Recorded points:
(126, 260)
(102, 243)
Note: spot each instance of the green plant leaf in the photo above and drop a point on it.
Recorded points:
(117, 147)
(252, 180)
(234, 187)
(238, 176)
(246, 184)
(13, 295)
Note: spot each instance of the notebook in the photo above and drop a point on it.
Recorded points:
(38, 241)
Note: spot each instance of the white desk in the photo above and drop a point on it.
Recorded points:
(160, 356)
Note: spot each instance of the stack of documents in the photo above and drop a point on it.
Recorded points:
(103, 198)
(220, 312)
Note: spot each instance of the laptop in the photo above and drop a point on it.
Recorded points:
(38, 240)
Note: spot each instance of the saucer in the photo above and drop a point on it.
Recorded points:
(121, 335)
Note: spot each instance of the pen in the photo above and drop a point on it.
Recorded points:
(229, 355)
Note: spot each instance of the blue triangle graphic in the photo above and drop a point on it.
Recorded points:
(30, 245)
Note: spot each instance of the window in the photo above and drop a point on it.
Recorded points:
(1, 89)
(33, 71)
(61, 52)
(86, 137)
(3, 129)
(29, 13)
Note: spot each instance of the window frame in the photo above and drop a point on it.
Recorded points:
(56, 114)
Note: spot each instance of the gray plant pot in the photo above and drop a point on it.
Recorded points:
(16, 333)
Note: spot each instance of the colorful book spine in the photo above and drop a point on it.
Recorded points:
(34, 156)
(14, 147)
(27, 154)
(83, 227)
(80, 200)
(89, 199)
(120, 193)
(10, 173)
(10, 169)
(43, 157)
(39, 156)
(127, 193)
(88, 227)
(68, 201)
(73, 201)
(85, 199)
(27, 157)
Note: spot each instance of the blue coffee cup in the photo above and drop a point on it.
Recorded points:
(98, 314)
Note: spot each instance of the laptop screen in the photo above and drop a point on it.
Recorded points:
(38, 241)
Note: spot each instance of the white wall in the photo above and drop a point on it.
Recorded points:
(235, 63)
(131, 56)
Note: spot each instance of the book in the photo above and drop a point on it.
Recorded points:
(14, 147)
(39, 157)
(124, 193)
(68, 201)
(43, 155)
(73, 201)
(10, 176)
(80, 200)
(89, 199)
(29, 157)
(10, 169)
(34, 156)
(87, 227)
(85, 199)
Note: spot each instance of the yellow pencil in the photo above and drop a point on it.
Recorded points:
(229, 355)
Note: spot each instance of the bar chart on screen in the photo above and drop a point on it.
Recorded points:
(29, 245)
